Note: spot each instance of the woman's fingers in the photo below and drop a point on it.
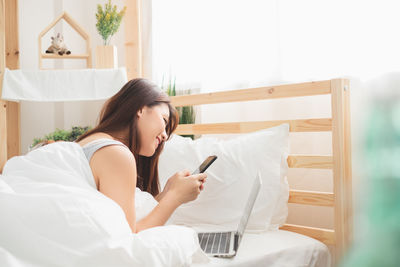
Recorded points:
(200, 176)
(202, 181)
(186, 173)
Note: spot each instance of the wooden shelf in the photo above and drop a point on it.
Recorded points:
(70, 56)
(87, 56)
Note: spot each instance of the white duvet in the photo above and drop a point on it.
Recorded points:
(52, 215)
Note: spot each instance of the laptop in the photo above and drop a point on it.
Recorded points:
(226, 244)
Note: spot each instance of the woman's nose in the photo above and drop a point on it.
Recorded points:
(164, 135)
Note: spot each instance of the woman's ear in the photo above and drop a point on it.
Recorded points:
(140, 113)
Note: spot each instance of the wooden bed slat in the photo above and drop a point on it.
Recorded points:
(311, 198)
(308, 125)
(326, 236)
(310, 162)
(278, 91)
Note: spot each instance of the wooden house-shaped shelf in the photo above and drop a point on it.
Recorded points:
(79, 30)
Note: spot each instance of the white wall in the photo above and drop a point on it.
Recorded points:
(38, 119)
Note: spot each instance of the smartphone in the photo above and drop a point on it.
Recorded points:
(206, 163)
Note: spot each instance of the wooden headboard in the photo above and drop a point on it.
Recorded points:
(339, 162)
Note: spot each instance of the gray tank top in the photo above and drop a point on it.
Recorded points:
(95, 145)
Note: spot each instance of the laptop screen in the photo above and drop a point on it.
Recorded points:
(250, 203)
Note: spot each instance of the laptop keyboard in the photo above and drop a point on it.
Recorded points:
(215, 243)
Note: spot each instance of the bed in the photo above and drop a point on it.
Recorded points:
(307, 251)
(292, 245)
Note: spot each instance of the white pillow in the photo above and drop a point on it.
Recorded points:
(230, 177)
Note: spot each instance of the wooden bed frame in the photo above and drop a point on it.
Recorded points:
(339, 162)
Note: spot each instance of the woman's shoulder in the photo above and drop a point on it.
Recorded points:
(103, 150)
(96, 137)
(108, 149)
(111, 160)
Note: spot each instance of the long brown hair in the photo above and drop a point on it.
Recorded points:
(120, 113)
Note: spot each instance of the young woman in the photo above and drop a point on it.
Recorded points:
(124, 148)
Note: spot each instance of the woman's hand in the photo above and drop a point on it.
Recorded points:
(180, 188)
(184, 187)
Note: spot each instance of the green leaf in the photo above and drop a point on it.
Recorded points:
(108, 20)
(62, 135)
(186, 114)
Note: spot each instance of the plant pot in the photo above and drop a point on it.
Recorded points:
(106, 57)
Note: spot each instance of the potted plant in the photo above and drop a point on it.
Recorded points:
(108, 22)
(187, 114)
(60, 135)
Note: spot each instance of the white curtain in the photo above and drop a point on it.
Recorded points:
(217, 44)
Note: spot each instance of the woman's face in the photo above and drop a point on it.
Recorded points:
(151, 127)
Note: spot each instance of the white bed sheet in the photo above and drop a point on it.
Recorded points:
(276, 248)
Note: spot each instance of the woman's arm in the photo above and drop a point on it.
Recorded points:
(160, 196)
(160, 214)
(115, 168)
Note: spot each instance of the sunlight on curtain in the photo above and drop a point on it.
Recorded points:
(240, 43)
(215, 44)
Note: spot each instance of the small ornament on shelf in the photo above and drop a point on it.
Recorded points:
(58, 50)
(58, 46)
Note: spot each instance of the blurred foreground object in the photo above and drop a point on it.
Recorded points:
(379, 245)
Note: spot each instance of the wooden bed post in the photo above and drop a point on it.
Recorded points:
(133, 42)
(9, 57)
(3, 113)
(342, 176)
(12, 63)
